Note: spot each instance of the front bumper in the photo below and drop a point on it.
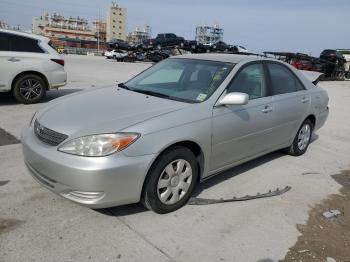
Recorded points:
(97, 182)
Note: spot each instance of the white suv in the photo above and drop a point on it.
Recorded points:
(29, 66)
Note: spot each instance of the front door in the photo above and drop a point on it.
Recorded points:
(243, 131)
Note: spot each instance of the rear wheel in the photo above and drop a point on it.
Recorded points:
(29, 89)
(171, 180)
(302, 139)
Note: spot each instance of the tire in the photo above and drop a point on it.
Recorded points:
(300, 142)
(29, 89)
(166, 180)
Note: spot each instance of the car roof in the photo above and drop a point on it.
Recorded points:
(29, 35)
(228, 58)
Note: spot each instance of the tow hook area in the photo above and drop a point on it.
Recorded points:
(206, 201)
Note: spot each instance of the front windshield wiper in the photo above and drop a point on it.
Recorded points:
(151, 93)
(124, 86)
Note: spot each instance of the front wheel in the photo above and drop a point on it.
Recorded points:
(302, 139)
(171, 180)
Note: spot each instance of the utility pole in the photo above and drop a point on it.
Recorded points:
(98, 32)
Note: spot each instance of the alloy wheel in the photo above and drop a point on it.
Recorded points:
(304, 136)
(30, 89)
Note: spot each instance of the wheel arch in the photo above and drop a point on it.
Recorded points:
(41, 75)
(312, 118)
(191, 145)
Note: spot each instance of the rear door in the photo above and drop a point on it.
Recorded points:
(291, 102)
(17, 53)
(6, 66)
(243, 131)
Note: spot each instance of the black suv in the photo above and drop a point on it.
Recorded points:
(334, 63)
(168, 39)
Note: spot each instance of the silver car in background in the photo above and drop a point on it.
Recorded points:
(187, 118)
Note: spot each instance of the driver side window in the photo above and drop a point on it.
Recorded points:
(250, 80)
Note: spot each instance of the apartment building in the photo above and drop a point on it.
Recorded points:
(116, 23)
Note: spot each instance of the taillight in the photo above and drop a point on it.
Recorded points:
(58, 61)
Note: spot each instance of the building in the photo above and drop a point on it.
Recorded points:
(72, 31)
(116, 23)
(209, 34)
(99, 28)
(4, 25)
(139, 36)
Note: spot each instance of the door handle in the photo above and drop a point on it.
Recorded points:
(13, 59)
(267, 109)
(305, 100)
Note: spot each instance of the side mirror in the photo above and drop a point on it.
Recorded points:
(234, 98)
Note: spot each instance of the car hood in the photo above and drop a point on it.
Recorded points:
(103, 110)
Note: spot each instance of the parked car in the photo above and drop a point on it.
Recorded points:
(116, 54)
(178, 123)
(119, 45)
(334, 64)
(166, 40)
(195, 47)
(221, 46)
(346, 55)
(29, 66)
(239, 49)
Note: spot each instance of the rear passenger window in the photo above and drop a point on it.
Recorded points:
(283, 80)
(24, 44)
(16, 43)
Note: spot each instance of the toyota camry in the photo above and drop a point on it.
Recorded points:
(155, 137)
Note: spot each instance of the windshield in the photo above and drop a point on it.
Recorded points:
(188, 80)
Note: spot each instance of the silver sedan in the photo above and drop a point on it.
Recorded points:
(187, 118)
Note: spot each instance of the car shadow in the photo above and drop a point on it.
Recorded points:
(221, 177)
(235, 171)
(7, 99)
(213, 181)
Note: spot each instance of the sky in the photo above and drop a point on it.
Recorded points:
(307, 26)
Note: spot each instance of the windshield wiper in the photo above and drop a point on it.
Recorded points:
(124, 86)
(151, 93)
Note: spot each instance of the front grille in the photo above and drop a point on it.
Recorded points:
(48, 136)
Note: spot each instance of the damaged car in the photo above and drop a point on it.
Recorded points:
(180, 122)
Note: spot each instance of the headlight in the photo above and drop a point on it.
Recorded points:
(98, 145)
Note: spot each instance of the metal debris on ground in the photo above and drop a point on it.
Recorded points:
(331, 214)
(205, 201)
(303, 251)
(330, 259)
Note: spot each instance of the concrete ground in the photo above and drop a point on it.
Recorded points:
(37, 225)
